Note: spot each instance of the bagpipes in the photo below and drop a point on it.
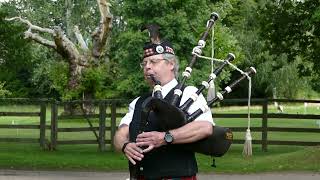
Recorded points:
(173, 116)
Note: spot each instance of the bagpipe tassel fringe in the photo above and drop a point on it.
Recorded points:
(247, 149)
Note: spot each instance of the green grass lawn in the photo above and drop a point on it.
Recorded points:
(278, 158)
(87, 157)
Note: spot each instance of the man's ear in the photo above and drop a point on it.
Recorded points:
(172, 63)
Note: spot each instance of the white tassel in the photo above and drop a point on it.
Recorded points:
(247, 149)
(211, 91)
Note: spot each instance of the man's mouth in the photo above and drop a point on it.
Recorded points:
(153, 79)
(150, 76)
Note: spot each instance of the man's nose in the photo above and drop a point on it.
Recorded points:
(148, 64)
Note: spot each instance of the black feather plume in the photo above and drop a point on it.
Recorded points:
(154, 34)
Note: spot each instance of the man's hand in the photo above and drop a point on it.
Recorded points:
(150, 140)
(133, 152)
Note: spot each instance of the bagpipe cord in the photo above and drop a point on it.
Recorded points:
(247, 150)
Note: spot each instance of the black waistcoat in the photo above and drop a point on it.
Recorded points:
(165, 161)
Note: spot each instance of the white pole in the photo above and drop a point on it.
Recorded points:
(305, 107)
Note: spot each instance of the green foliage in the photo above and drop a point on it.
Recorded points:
(15, 56)
(277, 72)
(298, 18)
(279, 38)
(3, 91)
(243, 22)
(289, 27)
(99, 80)
(182, 23)
(51, 76)
(275, 37)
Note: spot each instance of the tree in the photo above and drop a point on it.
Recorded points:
(289, 30)
(81, 56)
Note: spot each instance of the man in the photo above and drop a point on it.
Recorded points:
(156, 152)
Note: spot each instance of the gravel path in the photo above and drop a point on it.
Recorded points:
(54, 175)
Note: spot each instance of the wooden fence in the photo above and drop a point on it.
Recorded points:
(42, 121)
(265, 129)
(102, 128)
(103, 116)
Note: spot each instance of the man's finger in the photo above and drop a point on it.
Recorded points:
(135, 154)
(144, 135)
(148, 149)
(131, 160)
(136, 148)
(143, 139)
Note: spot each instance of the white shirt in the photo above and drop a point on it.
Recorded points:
(207, 116)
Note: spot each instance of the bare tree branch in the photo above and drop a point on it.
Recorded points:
(31, 26)
(64, 46)
(80, 39)
(36, 37)
(101, 33)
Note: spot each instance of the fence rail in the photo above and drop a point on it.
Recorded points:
(103, 117)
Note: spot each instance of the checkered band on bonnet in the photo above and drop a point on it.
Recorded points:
(151, 49)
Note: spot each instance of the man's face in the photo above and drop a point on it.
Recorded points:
(160, 68)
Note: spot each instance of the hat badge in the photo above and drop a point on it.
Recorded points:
(159, 49)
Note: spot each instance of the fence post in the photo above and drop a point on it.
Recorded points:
(265, 125)
(102, 126)
(43, 125)
(54, 125)
(113, 122)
